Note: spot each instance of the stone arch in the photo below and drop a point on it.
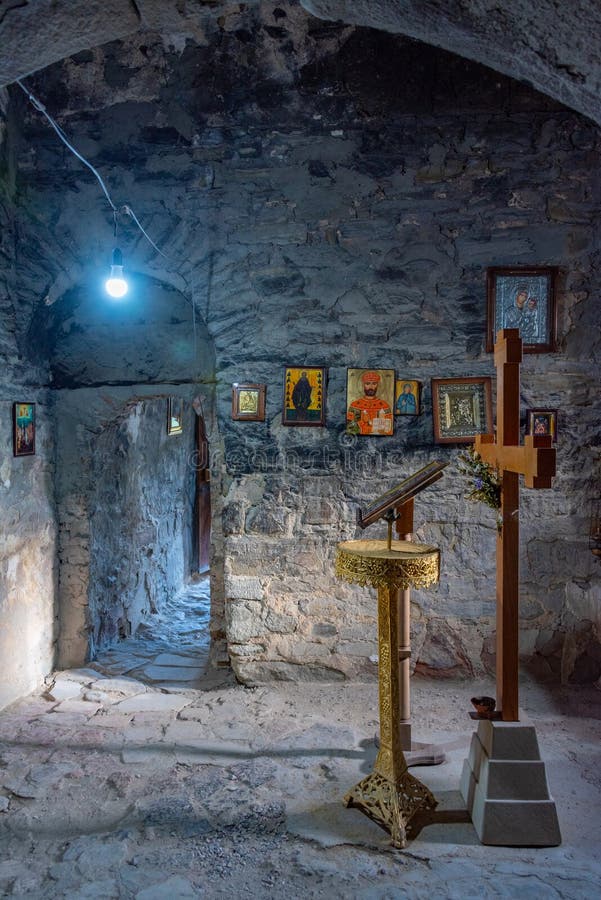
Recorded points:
(96, 432)
(548, 47)
(149, 337)
(113, 370)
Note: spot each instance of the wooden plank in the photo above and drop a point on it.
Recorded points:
(531, 462)
(202, 500)
(535, 460)
(508, 346)
(203, 495)
(508, 548)
(544, 469)
(508, 406)
(404, 522)
(402, 492)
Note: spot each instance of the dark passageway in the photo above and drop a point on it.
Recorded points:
(172, 647)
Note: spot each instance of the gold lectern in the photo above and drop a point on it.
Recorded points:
(390, 795)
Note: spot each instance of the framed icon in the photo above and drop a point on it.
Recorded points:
(248, 402)
(370, 401)
(542, 422)
(23, 429)
(407, 397)
(462, 408)
(304, 395)
(522, 298)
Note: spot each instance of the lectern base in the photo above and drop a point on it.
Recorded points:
(424, 755)
(419, 754)
(390, 805)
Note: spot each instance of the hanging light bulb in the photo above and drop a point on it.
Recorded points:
(116, 285)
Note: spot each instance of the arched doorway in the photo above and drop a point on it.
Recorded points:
(148, 604)
(127, 485)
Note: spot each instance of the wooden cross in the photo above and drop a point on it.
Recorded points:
(535, 460)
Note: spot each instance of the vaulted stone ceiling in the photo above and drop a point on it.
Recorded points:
(553, 45)
(177, 129)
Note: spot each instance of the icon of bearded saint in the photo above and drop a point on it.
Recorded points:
(369, 414)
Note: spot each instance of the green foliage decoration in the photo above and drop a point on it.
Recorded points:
(485, 481)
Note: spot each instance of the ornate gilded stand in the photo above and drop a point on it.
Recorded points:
(390, 796)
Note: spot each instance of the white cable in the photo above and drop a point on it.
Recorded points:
(130, 212)
(59, 131)
(41, 108)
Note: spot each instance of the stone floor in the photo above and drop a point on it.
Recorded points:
(171, 651)
(133, 778)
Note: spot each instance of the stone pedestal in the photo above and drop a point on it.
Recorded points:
(504, 785)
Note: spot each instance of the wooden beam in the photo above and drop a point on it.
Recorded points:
(508, 356)
(535, 460)
(508, 554)
(404, 522)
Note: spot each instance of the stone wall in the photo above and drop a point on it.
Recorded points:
(27, 514)
(333, 196)
(27, 551)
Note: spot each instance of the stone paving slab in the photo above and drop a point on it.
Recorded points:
(172, 673)
(148, 755)
(127, 686)
(174, 888)
(94, 696)
(68, 720)
(241, 790)
(151, 702)
(83, 706)
(330, 824)
(83, 675)
(122, 667)
(112, 721)
(177, 659)
(140, 733)
(63, 689)
(184, 794)
(183, 732)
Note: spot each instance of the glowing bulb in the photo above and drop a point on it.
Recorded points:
(116, 285)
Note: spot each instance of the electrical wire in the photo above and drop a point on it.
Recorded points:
(41, 108)
(61, 134)
(127, 209)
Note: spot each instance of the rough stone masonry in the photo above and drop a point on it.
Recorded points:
(326, 195)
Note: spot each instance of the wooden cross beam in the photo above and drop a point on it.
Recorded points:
(535, 460)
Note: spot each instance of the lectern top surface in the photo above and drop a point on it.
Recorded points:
(405, 565)
(379, 549)
(402, 492)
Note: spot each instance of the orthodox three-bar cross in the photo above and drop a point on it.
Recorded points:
(535, 460)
